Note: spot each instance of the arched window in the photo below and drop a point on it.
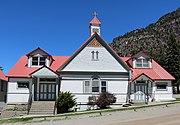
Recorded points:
(95, 85)
(95, 55)
(92, 55)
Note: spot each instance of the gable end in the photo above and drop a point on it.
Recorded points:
(94, 39)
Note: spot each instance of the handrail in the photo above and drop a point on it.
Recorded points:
(55, 108)
(29, 103)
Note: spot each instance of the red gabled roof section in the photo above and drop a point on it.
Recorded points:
(2, 76)
(20, 69)
(30, 54)
(37, 50)
(141, 75)
(155, 73)
(141, 53)
(95, 21)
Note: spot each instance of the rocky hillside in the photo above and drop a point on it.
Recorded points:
(153, 38)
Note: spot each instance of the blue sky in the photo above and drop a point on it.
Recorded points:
(61, 26)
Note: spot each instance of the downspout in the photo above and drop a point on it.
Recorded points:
(129, 87)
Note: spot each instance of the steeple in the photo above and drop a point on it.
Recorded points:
(95, 25)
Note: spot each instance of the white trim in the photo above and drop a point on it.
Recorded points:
(161, 83)
(45, 73)
(90, 86)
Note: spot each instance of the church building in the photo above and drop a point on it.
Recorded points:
(94, 68)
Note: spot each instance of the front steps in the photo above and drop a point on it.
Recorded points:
(42, 108)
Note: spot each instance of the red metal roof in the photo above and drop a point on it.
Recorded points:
(95, 21)
(141, 53)
(2, 76)
(155, 73)
(20, 69)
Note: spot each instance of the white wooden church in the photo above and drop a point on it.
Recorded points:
(92, 69)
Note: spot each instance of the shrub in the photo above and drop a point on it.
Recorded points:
(65, 101)
(105, 99)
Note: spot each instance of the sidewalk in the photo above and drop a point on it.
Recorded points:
(159, 113)
(87, 114)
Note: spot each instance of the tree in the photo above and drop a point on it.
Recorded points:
(65, 101)
(1, 68)
(172, 60)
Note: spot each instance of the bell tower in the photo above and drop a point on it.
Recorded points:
(95, 25)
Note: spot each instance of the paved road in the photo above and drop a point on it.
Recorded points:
(150, 116)
(172, 119)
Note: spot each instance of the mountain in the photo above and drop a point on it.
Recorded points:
(161, 40)
(152, 38)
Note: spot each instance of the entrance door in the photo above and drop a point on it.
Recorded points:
(140, 92)
(47, 92)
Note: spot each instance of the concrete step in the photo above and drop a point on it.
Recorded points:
(42, 108)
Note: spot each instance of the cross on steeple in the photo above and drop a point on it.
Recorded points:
(95, 24)
(95, 14)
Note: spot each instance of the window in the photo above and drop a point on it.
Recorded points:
(142, 63)
(92, 55)
(141, 82)
(47, 80)
(34, 61)
(42, 61)
(103, 86)
(161, 86)
(23, 84)
(38, 61)
(95, 30)
(95, 55)
(95, 86)
(87, 87)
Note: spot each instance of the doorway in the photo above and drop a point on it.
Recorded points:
(141, 93)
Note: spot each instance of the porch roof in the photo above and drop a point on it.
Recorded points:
(44, 72)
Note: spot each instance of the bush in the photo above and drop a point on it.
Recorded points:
(105, 99)
(65, 101)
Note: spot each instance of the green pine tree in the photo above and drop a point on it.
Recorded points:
(172, 60)
(1, 68)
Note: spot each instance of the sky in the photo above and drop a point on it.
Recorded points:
(60, 27)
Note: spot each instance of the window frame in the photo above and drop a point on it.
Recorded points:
(142, 62)
(42, 60)
(161, 83)
(23, 87)
(95, 86)
(84, 87)
(39, 61)
(95, 55)
(95, 30)
(91, 86)
(102, 86)
(35, 61)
